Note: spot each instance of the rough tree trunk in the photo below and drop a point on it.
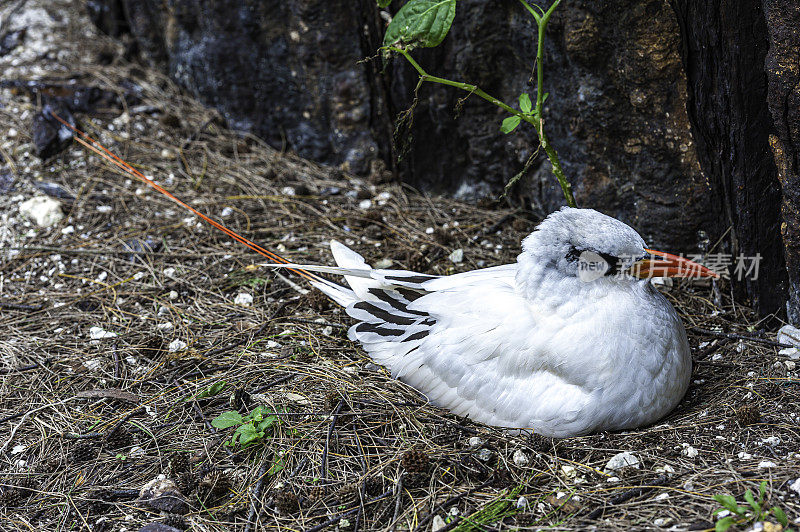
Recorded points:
(783, 97)
(726, 44)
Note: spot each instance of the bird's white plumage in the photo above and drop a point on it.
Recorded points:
(526, 345)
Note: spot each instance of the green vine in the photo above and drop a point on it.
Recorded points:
(425, 23)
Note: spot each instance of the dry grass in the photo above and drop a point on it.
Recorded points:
(344, 425)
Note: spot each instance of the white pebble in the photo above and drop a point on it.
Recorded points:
(688, 451)
(520, 458)
(98, 333)
(243, 299)
(42, 210)
(177, 345)
(620, 460)
(474, 442)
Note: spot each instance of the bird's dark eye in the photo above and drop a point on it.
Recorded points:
(574, 254)
(613, 263)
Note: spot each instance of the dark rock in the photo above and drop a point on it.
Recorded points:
(140, 247)
(6, 180)
(49, 135)
(11, 39)
(54, 190)
(163, 495)
(108, 16)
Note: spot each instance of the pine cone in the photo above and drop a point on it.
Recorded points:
(748, 414)
(348, 493)
(214, 485)
(47, 466)
(178, 463)
(83, 452)
(286, 502)
(186, 482)
(316, 493)
(374, 486)
(175, 521)
(415, 461)
(119, 438)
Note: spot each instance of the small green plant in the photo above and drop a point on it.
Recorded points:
(425, 24)
(250, 429)
(209, 391)
(756, 510)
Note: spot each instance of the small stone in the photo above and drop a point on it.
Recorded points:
(42, 210)
(688, 451)
(457, 256)
(484, 455)
(767, 464)
(243, 299)
(789, 334)
(437, 523)
(520, 458)
(620, 460)
(474, 442)
(98, 333)
(177, 345)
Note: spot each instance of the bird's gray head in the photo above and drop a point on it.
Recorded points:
(584, 243)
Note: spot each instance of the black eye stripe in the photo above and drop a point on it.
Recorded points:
(614, 263)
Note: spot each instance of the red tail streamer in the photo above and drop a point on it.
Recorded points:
(103, 152)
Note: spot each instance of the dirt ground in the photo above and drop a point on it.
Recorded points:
(128, 326)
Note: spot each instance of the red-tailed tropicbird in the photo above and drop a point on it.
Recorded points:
(571, 339)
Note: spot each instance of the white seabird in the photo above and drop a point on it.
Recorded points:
(572, 339)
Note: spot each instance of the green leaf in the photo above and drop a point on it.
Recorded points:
(762, 492)
(248, 435)
(227, 419)
(724, 524)
(727, 501)
(510, 124)
(525, 103)
(780, 516)
(751, 500)
(209, 391)
(267, 423)
(544, 98)
(421, 23)
(276, 467)
(384, 3)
